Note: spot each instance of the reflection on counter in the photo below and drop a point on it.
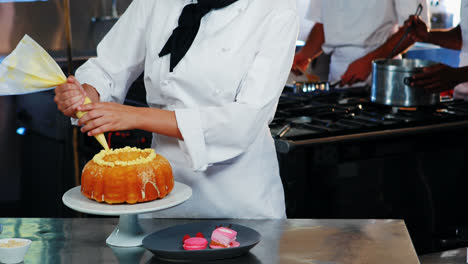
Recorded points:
(335, 241)
(283, 241)
(128, 255)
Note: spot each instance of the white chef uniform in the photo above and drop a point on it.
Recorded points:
(461, 90)
(354, 28)
(224, 93)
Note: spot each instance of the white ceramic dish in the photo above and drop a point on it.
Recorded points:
(78, 202)
(128, 233)
(9, 255)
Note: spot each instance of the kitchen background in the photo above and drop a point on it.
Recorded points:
(384, 163)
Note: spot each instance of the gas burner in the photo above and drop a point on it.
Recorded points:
(304, 116)
(301, 120)
(396, 109)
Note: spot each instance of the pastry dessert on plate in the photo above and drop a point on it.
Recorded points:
(223, 237)
(127, 175)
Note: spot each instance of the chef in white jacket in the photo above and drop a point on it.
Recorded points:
(211, 100)
(441, 77)
(355, 32)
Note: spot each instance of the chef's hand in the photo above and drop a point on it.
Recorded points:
(357, 71)
(418, 31)
(300, 64)
(436, 78)
(104, 117)
(69, 96)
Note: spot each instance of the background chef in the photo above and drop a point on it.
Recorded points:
(442, 77)
(355, 32)
(212, 91)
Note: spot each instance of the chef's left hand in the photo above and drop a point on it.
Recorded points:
(436, 78)
(106, 116)
(357, 71)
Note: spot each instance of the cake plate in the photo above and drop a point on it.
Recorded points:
(128, 232)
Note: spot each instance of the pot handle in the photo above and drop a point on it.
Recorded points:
(407, 81)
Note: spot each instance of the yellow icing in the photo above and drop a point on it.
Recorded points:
(145, 177)
(100, 137)
(99, 158)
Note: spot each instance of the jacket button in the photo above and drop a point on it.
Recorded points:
(165, 82)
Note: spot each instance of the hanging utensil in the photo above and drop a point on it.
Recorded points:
(417, 13)
(68, 35)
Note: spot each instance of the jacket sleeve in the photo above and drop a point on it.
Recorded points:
(218, 134)
(120, 55)
(314, 11)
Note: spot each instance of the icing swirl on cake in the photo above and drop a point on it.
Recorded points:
(146, 155)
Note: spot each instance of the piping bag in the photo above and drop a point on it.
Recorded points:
(29, 69)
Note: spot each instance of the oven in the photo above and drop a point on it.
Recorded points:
(342, 156)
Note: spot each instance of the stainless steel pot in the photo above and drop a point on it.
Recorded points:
(391, 79)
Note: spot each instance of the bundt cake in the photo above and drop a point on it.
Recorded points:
(127, 175)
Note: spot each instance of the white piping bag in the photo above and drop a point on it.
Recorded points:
(29, 69)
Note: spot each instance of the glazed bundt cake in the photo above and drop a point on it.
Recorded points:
(127, 175)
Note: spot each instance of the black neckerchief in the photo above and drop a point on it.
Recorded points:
(189, 23)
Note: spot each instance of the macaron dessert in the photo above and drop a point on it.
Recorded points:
(195, 243)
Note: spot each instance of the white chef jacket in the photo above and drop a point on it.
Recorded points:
(353, 28)
(461, 90)
(224, 93)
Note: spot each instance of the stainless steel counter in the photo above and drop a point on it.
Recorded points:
(455, 256)
(82, 240)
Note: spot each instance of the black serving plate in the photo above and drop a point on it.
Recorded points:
(167, 243)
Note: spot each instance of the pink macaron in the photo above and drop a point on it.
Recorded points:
(195, 243)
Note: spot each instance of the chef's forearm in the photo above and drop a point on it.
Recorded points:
(315, 40)
(158, 121)
(386, 49)
(451, 39)
(91, 92)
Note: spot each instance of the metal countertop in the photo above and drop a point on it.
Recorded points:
(285, 146)
(82, 240)
(455, 256)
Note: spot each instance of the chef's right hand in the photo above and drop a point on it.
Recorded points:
(419, 31)
(437, 78)
(69, 96)
(300, 64)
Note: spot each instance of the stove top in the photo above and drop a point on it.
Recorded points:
(302, 116)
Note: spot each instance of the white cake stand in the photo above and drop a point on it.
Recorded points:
(128, 232)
